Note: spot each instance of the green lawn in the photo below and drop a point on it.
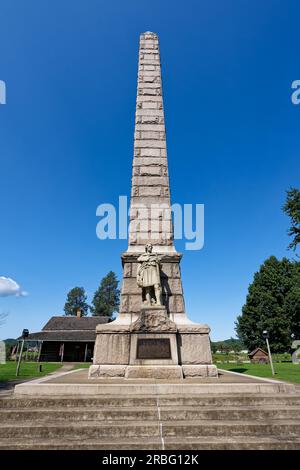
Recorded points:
(27, 370)
(284, 370)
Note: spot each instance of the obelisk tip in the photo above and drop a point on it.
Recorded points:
(148, 35)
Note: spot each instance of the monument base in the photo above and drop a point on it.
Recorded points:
(152, 346)
(152, 372)
(136, 372)
(197, 371)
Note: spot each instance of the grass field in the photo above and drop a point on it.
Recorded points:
(284, 370)
(27, 370)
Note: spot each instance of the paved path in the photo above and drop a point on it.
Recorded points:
(81, 377)
(7, 388)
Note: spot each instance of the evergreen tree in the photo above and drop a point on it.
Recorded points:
(76, 302)
(292, 303)
(273, 304)
(107, 297)
(292, 209)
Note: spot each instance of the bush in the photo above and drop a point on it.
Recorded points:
(242, 357)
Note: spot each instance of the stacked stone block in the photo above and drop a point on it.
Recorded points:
(150, 178)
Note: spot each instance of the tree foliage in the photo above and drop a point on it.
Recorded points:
(273, 304)
(292, 209)
(227, 345)
(107, 297)
(9, 345)
(76, 301)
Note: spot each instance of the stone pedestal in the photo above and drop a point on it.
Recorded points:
(153, 346)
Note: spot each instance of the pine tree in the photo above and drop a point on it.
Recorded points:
(273, 304)
(107, 297)
(292, 209)
(76, 302)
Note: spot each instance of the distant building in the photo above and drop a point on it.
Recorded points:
(67, 339)
(258, 356)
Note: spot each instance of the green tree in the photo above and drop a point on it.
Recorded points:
(273, 304)
(213, 346)
(231, 344)
(223, 347)
(106, 299)
(76, 302)
(235, 345)
(292, 209)
(9, 344)
(292, 303)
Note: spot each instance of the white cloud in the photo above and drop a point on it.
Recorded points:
(10, 287)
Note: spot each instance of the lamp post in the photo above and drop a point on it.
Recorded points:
(25, 334)
(266, 336)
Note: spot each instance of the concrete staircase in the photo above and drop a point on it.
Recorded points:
(146, 422)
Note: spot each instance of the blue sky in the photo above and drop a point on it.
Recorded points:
(66, 142)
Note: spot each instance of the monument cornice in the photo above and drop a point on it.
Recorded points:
(130, 257)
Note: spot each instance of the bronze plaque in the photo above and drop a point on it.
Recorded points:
(153, 348)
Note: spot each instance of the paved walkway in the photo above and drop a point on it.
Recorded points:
(7, 388)
(81, 377)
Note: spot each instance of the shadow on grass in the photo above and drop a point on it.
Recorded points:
(240, 370)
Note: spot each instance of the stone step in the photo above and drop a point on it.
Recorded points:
(80, 432)
(267, 412)
(192, 429)
(144, 401)
(231, 400)
(142, 429)
(109, 388)
(70, 402)
(192, 422)
(170, 413)
(236, 443)
(204, 443)
(78, 414)
(150, 443)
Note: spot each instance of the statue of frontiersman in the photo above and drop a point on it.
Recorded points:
(148, 276)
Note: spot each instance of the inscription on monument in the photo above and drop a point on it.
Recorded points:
(153, 348)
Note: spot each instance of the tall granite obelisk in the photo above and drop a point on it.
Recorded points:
(152, 336)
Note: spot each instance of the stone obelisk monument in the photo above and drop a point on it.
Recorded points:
(152, 336)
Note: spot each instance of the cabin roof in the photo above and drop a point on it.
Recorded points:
(68, 328)
(256, 350)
